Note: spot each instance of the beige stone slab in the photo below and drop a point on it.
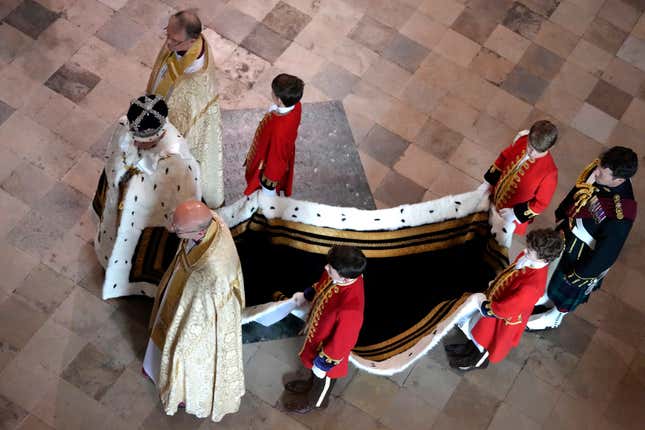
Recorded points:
(420, 166)
(457, 48)
(507, 43)
(424, 30)
(444, 11)
(508, 109)
(472, 159)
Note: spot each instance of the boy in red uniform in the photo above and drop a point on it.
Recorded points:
(269, 162)
(510, 300)
(523, 180)
(333, 325)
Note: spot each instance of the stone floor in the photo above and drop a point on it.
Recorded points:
(432, 90)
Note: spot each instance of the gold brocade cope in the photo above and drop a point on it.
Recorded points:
(174, 67)
(177, 274)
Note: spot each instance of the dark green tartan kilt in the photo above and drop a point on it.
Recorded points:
(565, 296)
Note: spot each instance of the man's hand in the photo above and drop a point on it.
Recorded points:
(299, 298)
(508, 215)
(485, 187)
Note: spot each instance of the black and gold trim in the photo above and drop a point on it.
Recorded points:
(267, 183)
(153, 255)
(523, 212)
(492, 175)
(98, 203)
(415, 278)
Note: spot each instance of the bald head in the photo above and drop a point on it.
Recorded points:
(189, 22)
(191, 216)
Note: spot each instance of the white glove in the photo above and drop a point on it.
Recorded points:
(485, 187)
(299, 298)
(318, 372)
(268, 192)
(508, 215)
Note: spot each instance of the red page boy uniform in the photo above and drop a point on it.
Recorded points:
(511, 299)
(333, 326)
(270, 160)
(522, 183)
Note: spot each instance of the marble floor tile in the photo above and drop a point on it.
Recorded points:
(524, 85)
(556, 39)
(620, 14)
(497, 379)
(88, 15)
(633, 51)
(475, 91)
(419, 165)
(482, 406)
(11, 415)
(60, 407)
(52, 347)
(263, 376)
(626, 77)
(132, 397)
(370, 393)
(150, 13)
(472, 159)
(339, 415)
(506, 418)
(25, 385)
(523, 20)
(605, 35)
(120, 31)
(383, 145)
(423, 30)
(457, 48)
(591, 58)
(16, 87)
(301, 62)
(19, 322)
(93, 372)
(571, 16)
(396, 190)
(63, 205)
(35, 234)
(12, 43)
(543, 7)
(491, 133)
(232, 24)
(507, 43)
(456, 114)
(405, 52)
(393, 13)
(13, 210)
(265, 43)
(634, 114)
(72, 257)
(491, 66)
(559, 103)
(474, 25)
(609, 99)
(286, 20)
(594, 123)
(83, 313)
(44, 289)
(407, 410)
(15, 265)
(532, 396)
(72, 82)
(444, 11)
(508, 109)
(372, 34)
(31, 18)
(334, 81)
(33, 423)
(253, 413)
(422, 97)
(5, 111)
(438, 139)
(541, 62)
(403, 120)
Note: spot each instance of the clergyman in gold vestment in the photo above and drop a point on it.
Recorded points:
(194, 354)
(184, 75)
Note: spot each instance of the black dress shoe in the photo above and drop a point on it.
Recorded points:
(478, 361)
(459, 349)
(299, 386)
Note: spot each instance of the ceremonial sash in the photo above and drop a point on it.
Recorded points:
(174, 68)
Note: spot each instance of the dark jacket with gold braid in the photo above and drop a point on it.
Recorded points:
(590, 211)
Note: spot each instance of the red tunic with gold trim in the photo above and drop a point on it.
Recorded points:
(511, 296)
(526, 187)
(271, 157)
(334, 323)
